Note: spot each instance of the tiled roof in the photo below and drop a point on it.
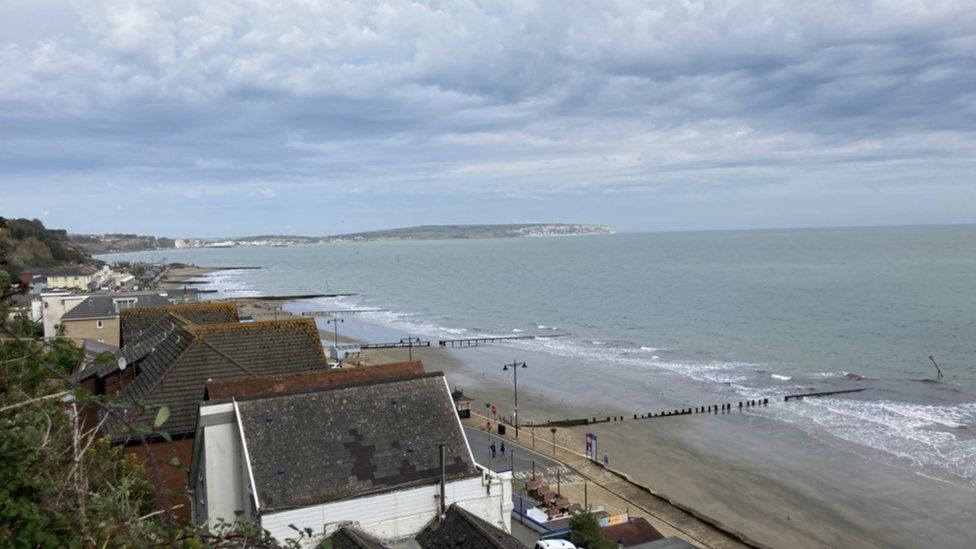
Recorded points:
(178, 369)
(104, 305)
(315, 447)
(138, 349)
(348, 537)
(462, 529)
(634, 532)
(136, 321)
(310, 381)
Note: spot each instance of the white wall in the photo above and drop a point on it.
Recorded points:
(54, 306)
(402, 513)
(219, 480)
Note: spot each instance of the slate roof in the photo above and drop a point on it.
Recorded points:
(186, 356)
(104, 305)
(136, 321)
(315, 447)
(310, 381)
(138, 350)
(348, 537)
(462, 529)
(66, 271)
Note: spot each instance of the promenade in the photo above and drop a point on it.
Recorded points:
(614, 490)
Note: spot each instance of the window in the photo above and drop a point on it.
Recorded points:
(99, 324)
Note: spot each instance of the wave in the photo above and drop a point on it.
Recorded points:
(780, 377)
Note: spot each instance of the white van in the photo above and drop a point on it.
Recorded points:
(554, 544)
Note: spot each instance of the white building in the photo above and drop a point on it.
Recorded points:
(366, 454)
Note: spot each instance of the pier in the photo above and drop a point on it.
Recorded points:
(475, 341)
(343, 312)
(286, 297)
(397, 345)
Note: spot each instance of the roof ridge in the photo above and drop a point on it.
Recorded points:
(172, 366)
(336, 387)
(476, 522)
(198, 339)
(261, 324)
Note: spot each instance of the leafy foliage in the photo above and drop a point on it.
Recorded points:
(586, 532)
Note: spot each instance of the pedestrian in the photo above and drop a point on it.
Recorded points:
(503, 448)
(606, 459)
(493, 450)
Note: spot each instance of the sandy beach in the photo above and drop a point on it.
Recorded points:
(718, 465)
(681, 457)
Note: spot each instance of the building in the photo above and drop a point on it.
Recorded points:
(92, 316)
(364, 453)
(135, 322)
(462, 528)
(79, 277)
(171, 363)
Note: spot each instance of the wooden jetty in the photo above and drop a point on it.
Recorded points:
(475, 341)
(397, 345)
(820, 394)
(343, 312)
(285, 297)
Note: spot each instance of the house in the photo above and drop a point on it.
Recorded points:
(171, 363)
(377, 454)
(92, 316)
(136, 321)
(77, 277)
(462, 403)
(140, 333)
(635, 532)
(462, 528)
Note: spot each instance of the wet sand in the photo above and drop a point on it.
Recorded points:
(748, 471)
(721, 465)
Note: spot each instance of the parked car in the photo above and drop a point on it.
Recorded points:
(554, 544)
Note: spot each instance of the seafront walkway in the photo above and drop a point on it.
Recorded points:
(617, 492)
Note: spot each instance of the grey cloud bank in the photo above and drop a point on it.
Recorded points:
(220, 118)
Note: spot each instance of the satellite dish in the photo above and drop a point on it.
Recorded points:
(122, 363)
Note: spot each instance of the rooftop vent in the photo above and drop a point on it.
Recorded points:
(268, 417)
(281, 470)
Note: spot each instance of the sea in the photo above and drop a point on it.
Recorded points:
(655, 321)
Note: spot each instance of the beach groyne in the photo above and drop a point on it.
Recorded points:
(705, 409)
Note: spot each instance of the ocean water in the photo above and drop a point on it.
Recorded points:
(681, 318)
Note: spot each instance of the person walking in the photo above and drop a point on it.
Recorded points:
(503, 448)
(606, 460)
(493, 450)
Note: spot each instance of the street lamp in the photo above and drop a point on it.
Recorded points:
(515, 368)
(334, 321)
(410, 341)
(553, 429)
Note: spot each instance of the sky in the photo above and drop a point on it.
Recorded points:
(217, 118)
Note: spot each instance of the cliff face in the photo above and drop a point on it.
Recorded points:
(26, 244)
(108, 243)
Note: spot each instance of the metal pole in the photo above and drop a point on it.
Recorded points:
(516, 403)
(553, 429)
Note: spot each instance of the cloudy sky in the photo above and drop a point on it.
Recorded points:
(227, 118)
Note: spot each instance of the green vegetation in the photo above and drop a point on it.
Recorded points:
(586, 532)
(61, 485)
(120, 242)
(446, 232)
(27, 244)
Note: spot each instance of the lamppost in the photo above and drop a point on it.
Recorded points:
(515, 368)
(334, 321)
(553, 429)
(410, 341)
(488, 427)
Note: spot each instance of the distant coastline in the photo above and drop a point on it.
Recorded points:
(115, 243)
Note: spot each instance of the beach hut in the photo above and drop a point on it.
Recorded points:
(462, 403)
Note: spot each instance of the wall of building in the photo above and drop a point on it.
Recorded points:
(54, 305)
(70, 282)
(399, 514)
(82, 329)
(174, 478)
